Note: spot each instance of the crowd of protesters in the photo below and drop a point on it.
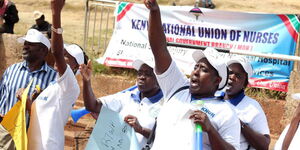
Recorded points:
(164, 102)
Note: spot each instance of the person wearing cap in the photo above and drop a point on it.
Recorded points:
(290, 136)
(8, 16)
(17, 76)
(195, 105)
(255, 133)
(41, 24)
(52, 107)
(139, 107)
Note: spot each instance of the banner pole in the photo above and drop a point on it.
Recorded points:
(85, 35)
(274, 56)
(296, 66)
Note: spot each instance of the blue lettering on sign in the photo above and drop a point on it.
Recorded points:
(139, 24)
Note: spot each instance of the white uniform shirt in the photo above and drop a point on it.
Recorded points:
(295, 143)
(175, 131)
(50, 113)
(250, 112)
(129, 103)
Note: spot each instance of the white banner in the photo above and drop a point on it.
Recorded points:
(263, 33)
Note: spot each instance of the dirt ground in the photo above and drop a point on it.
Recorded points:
(77, 134)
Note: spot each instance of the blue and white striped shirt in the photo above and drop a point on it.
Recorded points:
(18, 76)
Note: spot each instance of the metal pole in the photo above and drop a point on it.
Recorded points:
(274, 56)
(94, 27)
(100, 28)
(85, 24)
(107, 22)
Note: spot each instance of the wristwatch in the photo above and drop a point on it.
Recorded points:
(58, 30)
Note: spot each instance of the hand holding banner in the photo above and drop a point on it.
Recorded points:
(111, 132)
(15, 122)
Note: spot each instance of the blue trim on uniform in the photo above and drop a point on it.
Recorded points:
(236, 100)
(136, 96)
(220, 94)
(129, 89)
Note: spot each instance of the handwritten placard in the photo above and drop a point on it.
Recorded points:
(112, 133)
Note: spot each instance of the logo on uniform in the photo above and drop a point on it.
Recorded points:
(44, 98)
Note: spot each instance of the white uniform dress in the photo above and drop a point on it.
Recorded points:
(250, 112)
(175, 131)
(129, 103)
(50, 113)
(295, 143)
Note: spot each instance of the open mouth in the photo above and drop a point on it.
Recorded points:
(25, 53)
(194, 82)
(141, 83)
(229, 85)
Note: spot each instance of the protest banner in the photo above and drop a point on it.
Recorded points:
(250, 32)
(112, 133)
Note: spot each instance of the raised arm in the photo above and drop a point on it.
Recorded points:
(90, 101)
(157, 38)
(57, 47)
(292, 129)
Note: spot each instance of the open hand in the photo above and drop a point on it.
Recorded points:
(151, 5)
(202, 119)
(86, 71)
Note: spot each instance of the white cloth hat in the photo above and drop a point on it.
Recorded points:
(35, 36)
(37, 14)
(245, 64)
(215, 59)
(138, 63)
(76, 52)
